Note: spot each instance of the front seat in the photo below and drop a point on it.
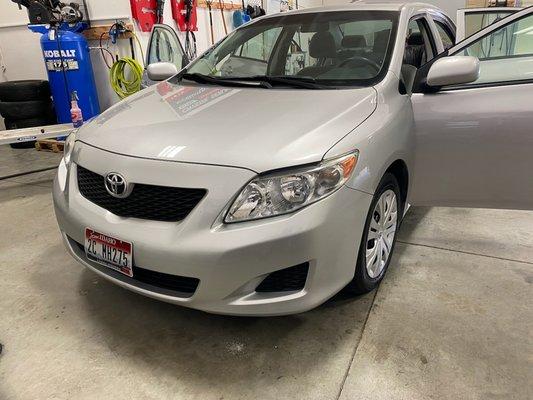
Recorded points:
(413, 58)
(322, 48)
(352, 45)
(415, 50)
(381, 42)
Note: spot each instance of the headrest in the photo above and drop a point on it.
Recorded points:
(381, 39)
(322, 45)
(415, 39)
(353, 41)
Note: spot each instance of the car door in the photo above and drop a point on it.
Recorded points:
(474, 142)
(164, 45)
(472, 20)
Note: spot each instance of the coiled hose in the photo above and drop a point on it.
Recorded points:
(120, 70)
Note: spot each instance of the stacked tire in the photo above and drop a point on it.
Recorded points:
(25, 104)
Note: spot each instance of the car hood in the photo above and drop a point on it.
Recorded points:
(254, 128)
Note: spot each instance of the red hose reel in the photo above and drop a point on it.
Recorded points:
(179, 14)
(145, 13)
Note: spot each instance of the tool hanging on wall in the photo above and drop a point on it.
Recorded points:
(208, 4)
(179, 14)
(221, 4)
(159, 10)
(145, 12)
(237, 18)
(53, 11)
(498, 3)
(240, 17)
(125, 74)
(255, 11)
(190, 26)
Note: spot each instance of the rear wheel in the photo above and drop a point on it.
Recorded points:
(379, 236)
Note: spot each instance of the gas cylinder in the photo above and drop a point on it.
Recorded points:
(68, 64)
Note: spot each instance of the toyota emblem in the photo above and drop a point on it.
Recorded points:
(117, 186)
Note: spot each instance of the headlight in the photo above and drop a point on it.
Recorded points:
(69, 145)
(282, 193)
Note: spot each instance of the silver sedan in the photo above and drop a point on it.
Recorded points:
(274, 170)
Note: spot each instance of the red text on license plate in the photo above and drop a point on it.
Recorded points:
(109, 251)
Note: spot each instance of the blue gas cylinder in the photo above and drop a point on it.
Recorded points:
(68, 63)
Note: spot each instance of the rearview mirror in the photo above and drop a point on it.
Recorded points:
(160, 71)
(453, 70)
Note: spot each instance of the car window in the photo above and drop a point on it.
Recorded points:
(446, 36)
(298, 54)
(355, 42)
(418, 51)
(260, 46)
(251, 57)
(350, 48)
(418, 45)
(164, 46)
(476, 21)
(506, 54)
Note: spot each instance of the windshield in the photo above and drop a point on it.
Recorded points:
(330, 48)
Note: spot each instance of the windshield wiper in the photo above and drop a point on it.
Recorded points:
(264, 81)
(292, 81)
(215, 80)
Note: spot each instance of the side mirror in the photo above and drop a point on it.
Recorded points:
(453, 70)
(160, 71)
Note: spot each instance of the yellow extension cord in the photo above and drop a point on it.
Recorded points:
(122, 86)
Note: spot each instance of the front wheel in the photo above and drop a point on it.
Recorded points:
(379, 236)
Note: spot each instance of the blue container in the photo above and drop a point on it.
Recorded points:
(68, 63)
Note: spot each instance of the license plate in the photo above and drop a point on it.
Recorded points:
(109, 251)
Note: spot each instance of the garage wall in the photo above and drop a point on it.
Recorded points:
(20, 52)
(449, 6)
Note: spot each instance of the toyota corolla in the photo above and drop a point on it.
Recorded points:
(275, 169)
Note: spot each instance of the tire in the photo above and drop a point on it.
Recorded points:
(367, 278)
(24, 109)
(26, 123)
(25, 90)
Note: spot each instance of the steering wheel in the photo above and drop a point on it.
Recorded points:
(360, 60)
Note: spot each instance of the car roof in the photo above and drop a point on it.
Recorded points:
(365, 5)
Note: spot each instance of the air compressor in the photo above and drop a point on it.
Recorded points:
(66, 54)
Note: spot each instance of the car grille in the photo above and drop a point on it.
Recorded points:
(285, 280)
(158, 203)
(181, 285)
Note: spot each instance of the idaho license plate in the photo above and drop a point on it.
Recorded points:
(109, 251)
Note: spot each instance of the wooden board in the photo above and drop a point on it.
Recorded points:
(225, 6)
(55, 146)
(94, 32)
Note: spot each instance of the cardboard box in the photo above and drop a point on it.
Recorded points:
(476, 3)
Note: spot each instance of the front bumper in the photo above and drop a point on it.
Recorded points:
(229, 260)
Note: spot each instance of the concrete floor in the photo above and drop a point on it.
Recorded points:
(453, 319)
